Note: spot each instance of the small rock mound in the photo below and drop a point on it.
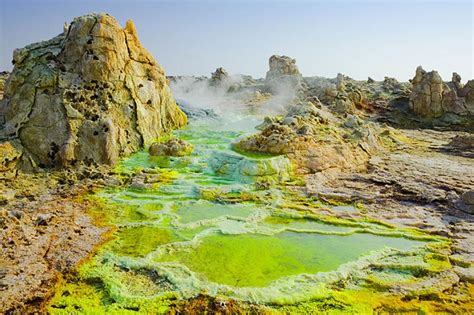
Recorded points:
(91, 94)
(315, 140)
(173, 147)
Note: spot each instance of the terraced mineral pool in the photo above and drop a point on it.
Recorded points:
(199, 226)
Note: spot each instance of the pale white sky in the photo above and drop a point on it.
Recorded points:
(357, 38)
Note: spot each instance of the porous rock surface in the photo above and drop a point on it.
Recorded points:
(90, 94)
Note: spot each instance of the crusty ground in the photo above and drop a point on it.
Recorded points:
(44, 232)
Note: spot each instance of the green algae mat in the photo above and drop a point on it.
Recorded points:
(198, 225)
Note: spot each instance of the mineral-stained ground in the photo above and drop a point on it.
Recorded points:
(287, 194)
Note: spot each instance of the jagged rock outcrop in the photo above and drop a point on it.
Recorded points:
(431, 97)
(90, 94)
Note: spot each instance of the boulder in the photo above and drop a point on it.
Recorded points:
(173, 147)
(271, 169)
(90, 94)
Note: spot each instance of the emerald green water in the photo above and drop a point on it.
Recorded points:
(183, 229)
(255, 260)
(205, 210)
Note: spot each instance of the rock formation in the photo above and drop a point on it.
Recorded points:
(219, 75)
(468, 94)
(431, 97)
(344, 96)
(282, 66)
(427, 96)
(3, 78)
(90, 94)
(283, 74)
(456, 82)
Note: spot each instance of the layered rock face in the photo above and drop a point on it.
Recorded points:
(90, 94)
(431, 97)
